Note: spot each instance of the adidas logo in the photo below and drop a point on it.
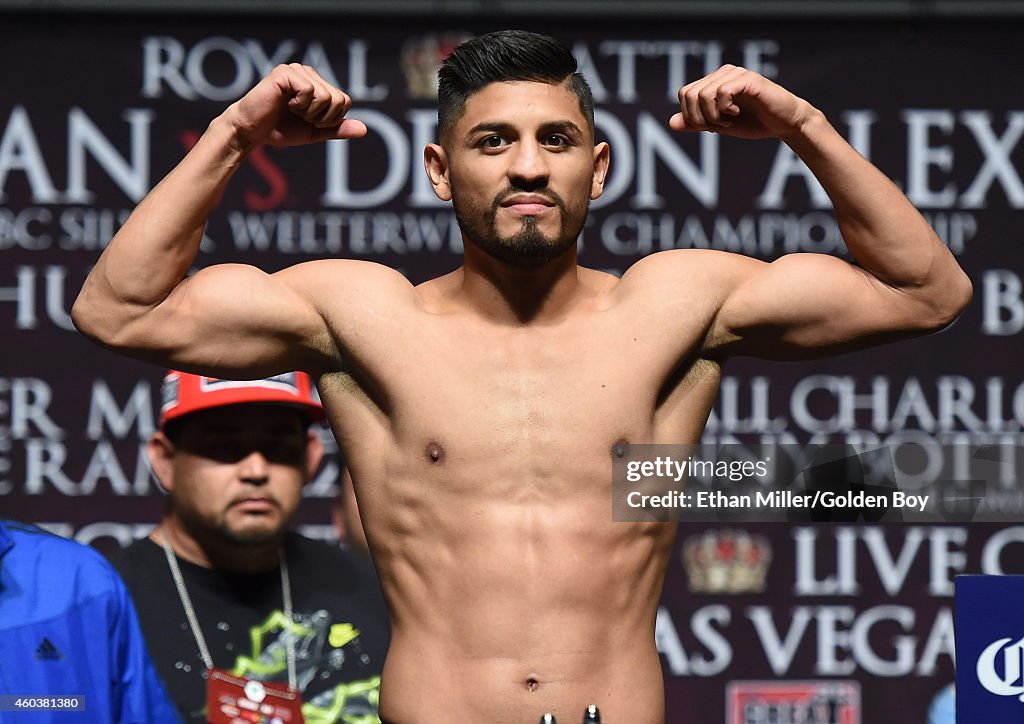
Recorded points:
(48, 652)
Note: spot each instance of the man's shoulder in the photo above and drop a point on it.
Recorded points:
(352, 293)
(139, 555)
(335, 277)
(677, 275)
(32, 544)
(689, 260)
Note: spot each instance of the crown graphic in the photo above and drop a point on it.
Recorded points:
(727, 561)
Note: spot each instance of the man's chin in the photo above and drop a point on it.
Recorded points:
(528, 253)
(253, 532)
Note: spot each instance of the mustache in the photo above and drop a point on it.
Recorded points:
(546, 193)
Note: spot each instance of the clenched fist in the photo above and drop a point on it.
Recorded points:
(738, 102)
(292, 106)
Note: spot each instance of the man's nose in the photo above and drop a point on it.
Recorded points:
(254, 468)
(529, 165)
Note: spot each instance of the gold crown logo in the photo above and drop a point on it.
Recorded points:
(727, 561)
(422, 56)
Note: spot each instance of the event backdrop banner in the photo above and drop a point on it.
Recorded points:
(787, 622)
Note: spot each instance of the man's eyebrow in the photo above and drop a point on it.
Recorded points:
(565, 126)
(492, 126)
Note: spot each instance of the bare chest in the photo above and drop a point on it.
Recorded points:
(574, 388)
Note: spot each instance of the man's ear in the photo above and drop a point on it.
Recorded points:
(160, 451)
(435, 161)
(314, 453)
(602, 158)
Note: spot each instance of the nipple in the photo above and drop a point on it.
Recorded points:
(434, 452)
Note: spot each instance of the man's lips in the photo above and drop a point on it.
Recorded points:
(254, 505)
(528, 204)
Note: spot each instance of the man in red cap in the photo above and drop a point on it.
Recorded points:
(230, 600)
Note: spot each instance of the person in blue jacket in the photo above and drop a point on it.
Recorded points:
(942, 709)
(70, 643)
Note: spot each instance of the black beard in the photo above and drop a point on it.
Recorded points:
(250, 537)
(528, 248)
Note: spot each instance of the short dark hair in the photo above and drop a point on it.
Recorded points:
(505, 55)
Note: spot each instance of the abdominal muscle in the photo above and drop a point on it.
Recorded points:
(508, 606)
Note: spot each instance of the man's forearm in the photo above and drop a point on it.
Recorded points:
(883, 231)
(158, 243)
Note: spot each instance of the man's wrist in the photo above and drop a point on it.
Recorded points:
(809, 133)
(225, 133)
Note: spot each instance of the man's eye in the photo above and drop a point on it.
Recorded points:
(557, 140)
(221, 450)
(283, 451)
(492, 142)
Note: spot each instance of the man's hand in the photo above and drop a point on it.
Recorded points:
(738, 102)
(292, 106)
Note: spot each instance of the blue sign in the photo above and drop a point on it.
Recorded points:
(990, 649)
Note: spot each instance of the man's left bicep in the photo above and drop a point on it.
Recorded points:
(811, 305)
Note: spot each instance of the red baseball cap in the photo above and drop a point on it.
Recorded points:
(184, 393)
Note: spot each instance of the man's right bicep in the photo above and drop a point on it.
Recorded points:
(229, 320)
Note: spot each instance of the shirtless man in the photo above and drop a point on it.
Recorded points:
(478, 410)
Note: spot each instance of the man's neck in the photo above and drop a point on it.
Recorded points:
(517, 295)
(209, 549)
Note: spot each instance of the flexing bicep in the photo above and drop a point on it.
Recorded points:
(228, 319)
(811, 305)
